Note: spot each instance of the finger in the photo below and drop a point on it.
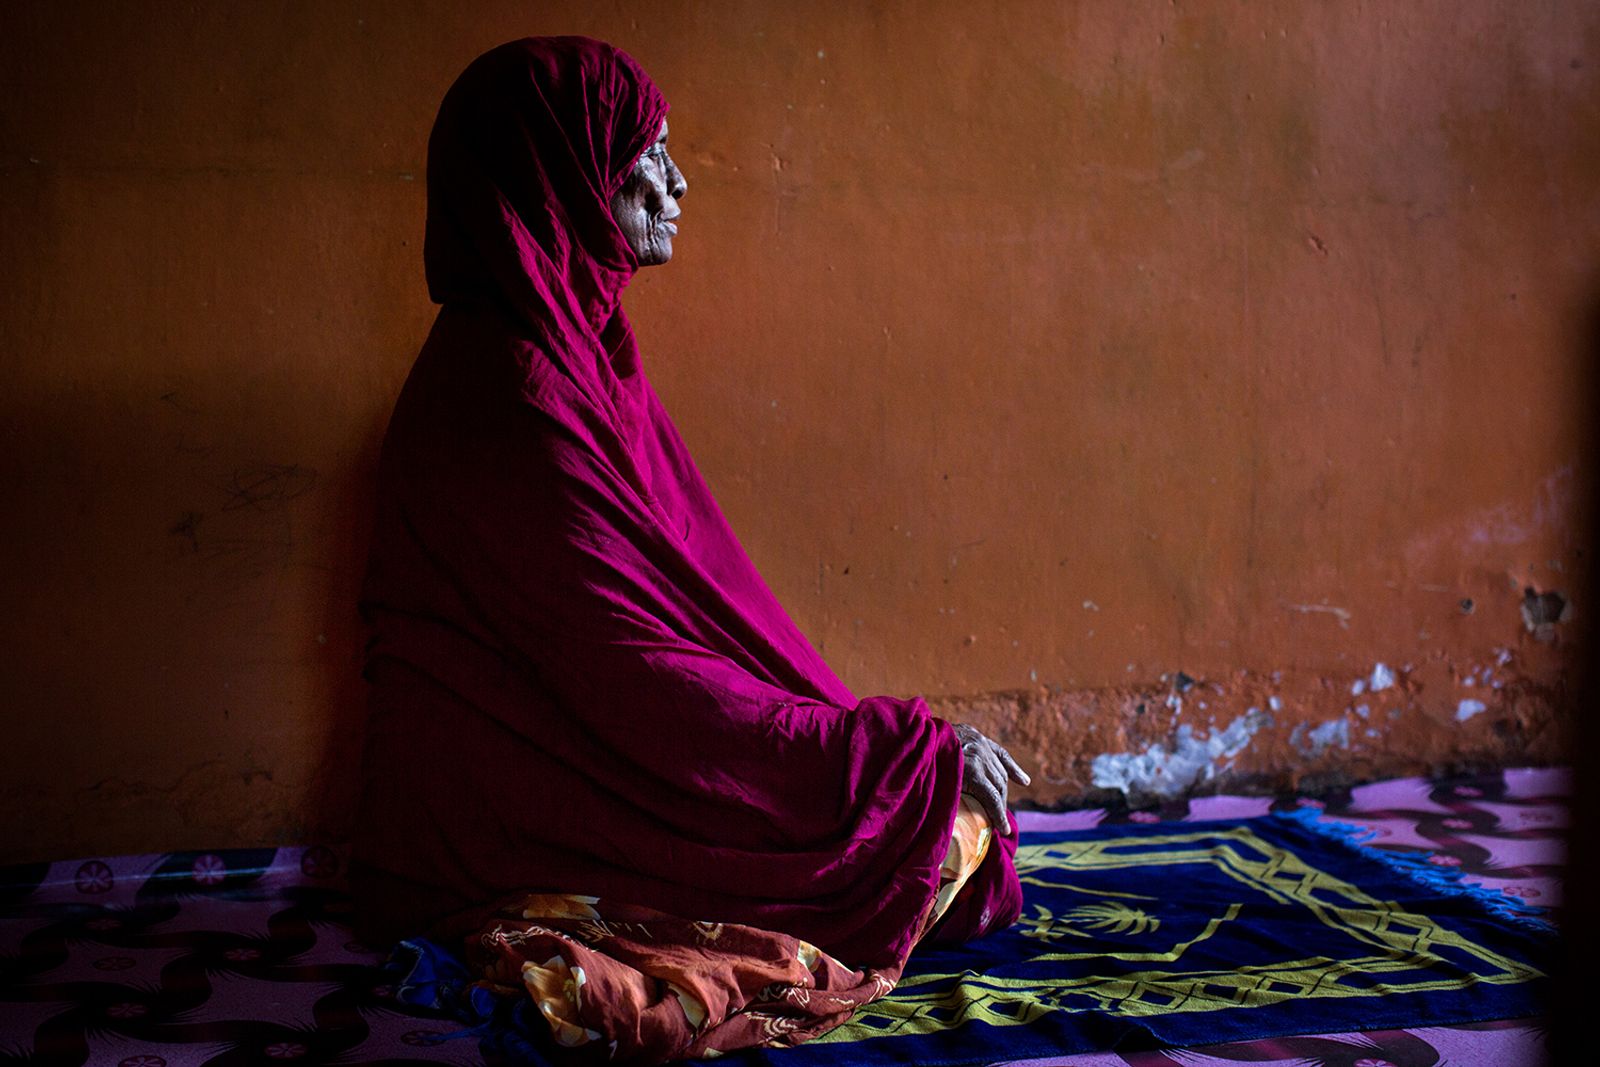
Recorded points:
(987, 767)
(980, 786)
(1001, 767)
(994, 799)
(994, 807)
(1015, 768)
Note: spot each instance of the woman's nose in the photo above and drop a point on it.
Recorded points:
(677, 185)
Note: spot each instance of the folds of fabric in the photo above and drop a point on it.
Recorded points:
(579, 682)
(637, 986)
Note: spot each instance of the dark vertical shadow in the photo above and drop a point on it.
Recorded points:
(337, 776)
(1573, 1011)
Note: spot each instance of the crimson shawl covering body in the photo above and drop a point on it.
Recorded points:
(579, 683)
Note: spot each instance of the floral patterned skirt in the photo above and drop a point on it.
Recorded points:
(631, 984)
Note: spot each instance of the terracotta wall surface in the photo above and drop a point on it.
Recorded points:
(1133, 378)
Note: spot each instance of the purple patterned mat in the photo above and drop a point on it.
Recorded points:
(245, 956)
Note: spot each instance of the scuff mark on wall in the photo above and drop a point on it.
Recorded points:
(1191, 761)
(1342, 614)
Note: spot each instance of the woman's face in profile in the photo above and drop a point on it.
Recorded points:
(646, 205)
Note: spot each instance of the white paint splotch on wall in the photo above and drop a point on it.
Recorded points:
(1159, 772)
(1314, 741)
(1382, 678)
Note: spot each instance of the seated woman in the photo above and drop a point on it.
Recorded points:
(598, 748)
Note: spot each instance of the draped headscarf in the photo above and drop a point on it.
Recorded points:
(579, 682)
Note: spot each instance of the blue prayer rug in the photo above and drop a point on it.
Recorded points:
(1181, 934)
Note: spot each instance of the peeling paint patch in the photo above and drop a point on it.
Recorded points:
(1192, 759)
(1468, 708)
(1542, 610)
(1382, 678)
(1127, 737)
(1317, 740)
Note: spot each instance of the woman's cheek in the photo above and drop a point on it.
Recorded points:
(635, 223)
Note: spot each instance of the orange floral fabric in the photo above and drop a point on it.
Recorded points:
(625, 983)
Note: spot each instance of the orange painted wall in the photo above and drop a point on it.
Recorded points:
(1038, 351)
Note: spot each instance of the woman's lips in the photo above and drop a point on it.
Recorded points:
(670, 227)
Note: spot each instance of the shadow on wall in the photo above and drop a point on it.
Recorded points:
(171, 545)
(337, 769)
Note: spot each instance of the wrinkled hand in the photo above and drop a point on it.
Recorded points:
(987, 769)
